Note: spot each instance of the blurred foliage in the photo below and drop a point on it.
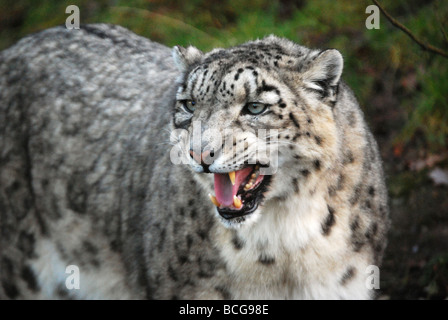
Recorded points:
(419, 79)
(435, 277)
(402, 89)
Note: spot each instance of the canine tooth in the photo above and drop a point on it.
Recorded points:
(214, 200)
(237, 202)
(232, 177)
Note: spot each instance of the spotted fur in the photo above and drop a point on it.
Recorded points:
(86, 178)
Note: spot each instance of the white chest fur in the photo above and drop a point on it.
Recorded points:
(283, 255)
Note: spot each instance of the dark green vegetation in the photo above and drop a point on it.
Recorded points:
(402, 89)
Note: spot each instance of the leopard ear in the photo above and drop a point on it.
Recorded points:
(186, 57)
(324, 72)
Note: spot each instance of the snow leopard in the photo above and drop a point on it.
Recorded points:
(105, 193)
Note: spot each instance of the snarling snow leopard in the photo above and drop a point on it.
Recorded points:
(106, 194)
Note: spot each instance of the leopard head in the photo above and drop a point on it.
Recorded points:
(254, 121)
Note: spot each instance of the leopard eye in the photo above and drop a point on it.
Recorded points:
(255, 108)
(189, 105)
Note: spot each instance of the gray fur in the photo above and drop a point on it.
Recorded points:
(86, 176)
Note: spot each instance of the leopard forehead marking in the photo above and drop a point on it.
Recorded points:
(221, 72)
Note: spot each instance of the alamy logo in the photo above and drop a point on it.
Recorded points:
(262, 149)
(73, 280)
(373, 20)
(373, 278)
(72, 21)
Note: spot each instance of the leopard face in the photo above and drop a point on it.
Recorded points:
(255, 120)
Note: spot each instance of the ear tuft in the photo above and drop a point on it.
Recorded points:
(185, 57)
(325, 71)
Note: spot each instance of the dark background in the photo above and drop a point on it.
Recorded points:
(401, 88)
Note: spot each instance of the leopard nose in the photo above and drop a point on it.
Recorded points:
(205, 159)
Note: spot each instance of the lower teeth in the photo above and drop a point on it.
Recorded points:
(252, 180)
(237, 202)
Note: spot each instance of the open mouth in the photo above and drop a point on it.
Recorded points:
(238, 193)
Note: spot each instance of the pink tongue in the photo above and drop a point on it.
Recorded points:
(224, 190)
